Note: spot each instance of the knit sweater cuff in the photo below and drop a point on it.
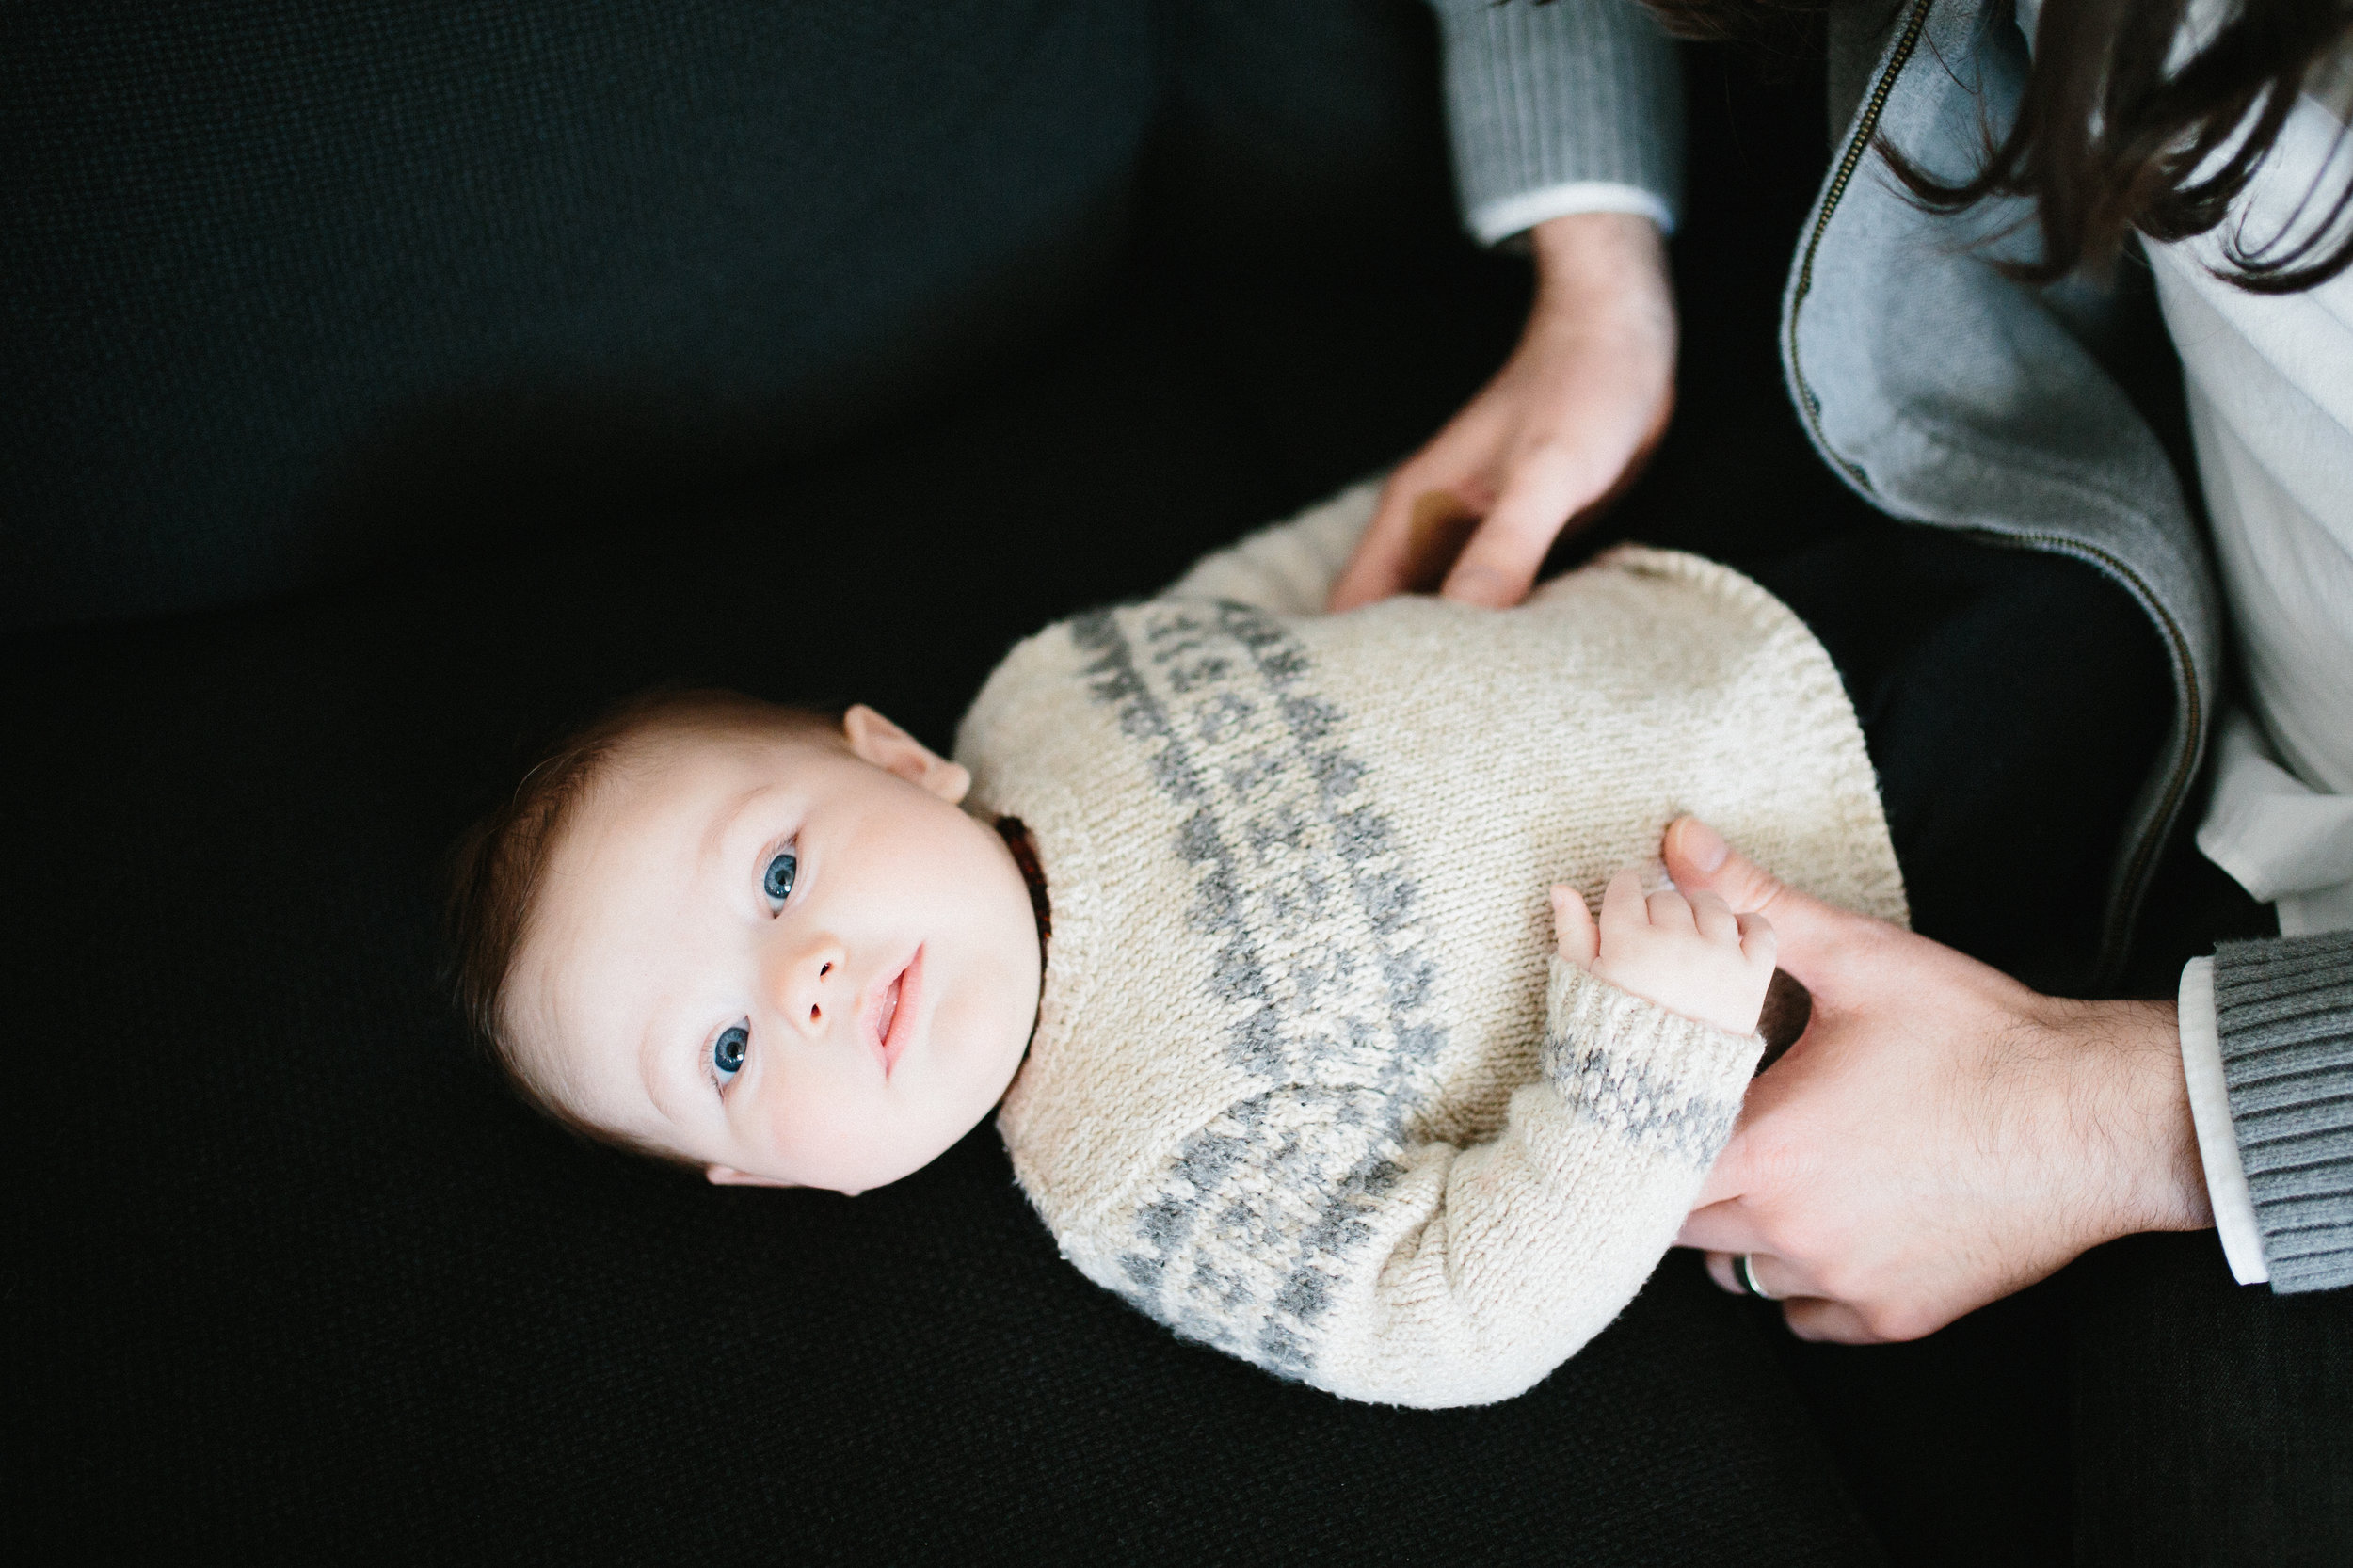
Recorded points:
(1657, 1079)
(1573, 106)
(2283, 1010)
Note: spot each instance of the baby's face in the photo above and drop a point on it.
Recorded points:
(785, 954)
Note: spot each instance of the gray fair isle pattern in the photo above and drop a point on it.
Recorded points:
(1628, 1096)
(1321, 969)
(1297, 1091)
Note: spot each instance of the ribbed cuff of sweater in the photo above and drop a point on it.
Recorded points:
(1654, 1077)
(2283, 1012)
(1568, 107)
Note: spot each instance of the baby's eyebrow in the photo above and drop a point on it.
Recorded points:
(656, 1050)
(724, 822)
(666, 1050)
(653, 1054)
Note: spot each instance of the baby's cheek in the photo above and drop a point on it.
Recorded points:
(813, 1126)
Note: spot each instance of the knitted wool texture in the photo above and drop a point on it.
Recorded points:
(1307, 1084)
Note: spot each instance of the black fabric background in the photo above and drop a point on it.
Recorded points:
(285, 277)
(502, 365)
(388, 388)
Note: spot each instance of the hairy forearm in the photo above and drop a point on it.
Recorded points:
(2128, 1105)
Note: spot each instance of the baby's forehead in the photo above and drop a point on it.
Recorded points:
(683, 747)
(619, 877)
(651, 790)
(623, 900)
(671, 778)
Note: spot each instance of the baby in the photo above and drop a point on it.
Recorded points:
(1238, 916)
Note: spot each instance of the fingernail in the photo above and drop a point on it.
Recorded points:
(1701, 844)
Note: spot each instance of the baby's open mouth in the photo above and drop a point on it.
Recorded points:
(894, 1011)
(890, 1013)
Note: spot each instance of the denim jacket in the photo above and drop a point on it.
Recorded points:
(1947, 392)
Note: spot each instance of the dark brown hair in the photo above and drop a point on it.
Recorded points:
(498, 866)
(2108, 140)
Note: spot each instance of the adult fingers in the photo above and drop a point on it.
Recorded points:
(1809, 1317)
(1809, 932)
(1451, 470)
(1776, 1279)
(1725, 1225)
(1732, 1176)
(1821, 1319)
(1698, 858)
(1377, 568)
(1537, 499)
(1757, 942)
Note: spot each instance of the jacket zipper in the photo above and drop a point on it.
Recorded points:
(1866, 130)
(2139, 867)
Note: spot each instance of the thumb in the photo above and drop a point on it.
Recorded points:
(1810, 932)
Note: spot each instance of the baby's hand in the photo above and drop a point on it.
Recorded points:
(1689, 953)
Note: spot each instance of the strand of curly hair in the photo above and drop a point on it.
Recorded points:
(2113, 136)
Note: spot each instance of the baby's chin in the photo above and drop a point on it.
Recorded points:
(863, 1172)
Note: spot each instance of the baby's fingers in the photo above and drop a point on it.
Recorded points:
(1573, 931)
(1670, 911)
(1758, 944)
(1713, 918)
(1621, 905)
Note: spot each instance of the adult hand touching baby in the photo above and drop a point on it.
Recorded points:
(1565, 424)
(1940, 1135)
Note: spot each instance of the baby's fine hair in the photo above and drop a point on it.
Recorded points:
(500, 865)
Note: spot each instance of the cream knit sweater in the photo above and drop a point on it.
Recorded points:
(1306, 1084)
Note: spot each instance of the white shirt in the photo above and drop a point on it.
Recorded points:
(2269, 384)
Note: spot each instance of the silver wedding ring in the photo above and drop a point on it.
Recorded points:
(1744, 1270)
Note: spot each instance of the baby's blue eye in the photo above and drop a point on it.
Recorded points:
(778, 882)
(726, 1052)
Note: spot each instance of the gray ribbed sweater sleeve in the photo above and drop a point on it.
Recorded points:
(1571, 107)
(2284, 1012)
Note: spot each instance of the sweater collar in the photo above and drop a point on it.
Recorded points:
(1016, 837)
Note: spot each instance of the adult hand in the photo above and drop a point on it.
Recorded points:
(1940, 1135)
(1564, 425)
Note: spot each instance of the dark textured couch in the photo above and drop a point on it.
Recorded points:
(387, 385)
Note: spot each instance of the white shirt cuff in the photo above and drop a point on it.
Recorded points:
(1499, 221)
(2217, 1142)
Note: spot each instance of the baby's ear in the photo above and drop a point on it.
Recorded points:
(727, 1176)
(876, 740)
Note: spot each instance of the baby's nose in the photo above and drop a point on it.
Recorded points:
(813, 984)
